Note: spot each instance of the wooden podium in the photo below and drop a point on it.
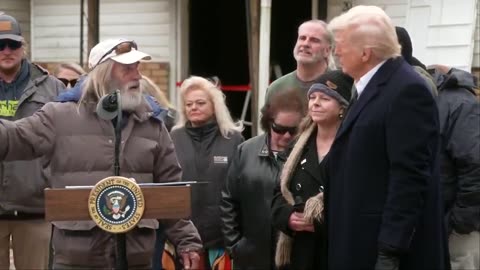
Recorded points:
(161, 201)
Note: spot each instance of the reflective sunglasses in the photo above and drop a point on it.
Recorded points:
(121, 48)
(282, 129)
(66, 81)
(12, 44)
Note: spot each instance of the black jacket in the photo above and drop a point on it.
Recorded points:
(205, 155)
(459, 112)
(307, 180)
(245, 207)
(383, 187)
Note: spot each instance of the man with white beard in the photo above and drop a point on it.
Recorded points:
(79, 144)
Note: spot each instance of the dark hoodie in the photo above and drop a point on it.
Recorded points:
(460, 149)
(407, 49)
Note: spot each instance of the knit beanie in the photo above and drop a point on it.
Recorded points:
(336, 84)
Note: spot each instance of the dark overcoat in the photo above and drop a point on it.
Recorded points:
(383, 179)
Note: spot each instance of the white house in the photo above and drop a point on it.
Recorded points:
(442, 31)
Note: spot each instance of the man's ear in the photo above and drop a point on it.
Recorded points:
(367, 54)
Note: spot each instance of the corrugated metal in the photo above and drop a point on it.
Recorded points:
(396, 9)
(476, 50)
(57, 27)
(439, 35)
(20, 9)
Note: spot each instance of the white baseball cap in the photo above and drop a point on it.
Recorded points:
(120, 50)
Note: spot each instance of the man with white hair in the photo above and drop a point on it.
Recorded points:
(384, 208)
(79, 144)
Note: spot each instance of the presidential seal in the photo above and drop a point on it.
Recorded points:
(116, 204)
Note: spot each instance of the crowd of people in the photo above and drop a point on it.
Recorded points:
(371, 164)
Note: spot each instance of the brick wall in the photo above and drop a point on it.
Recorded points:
(156, 71)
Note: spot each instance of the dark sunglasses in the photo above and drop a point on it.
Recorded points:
(66, 81)
(282, 129)
(12, 44)
(121, 48)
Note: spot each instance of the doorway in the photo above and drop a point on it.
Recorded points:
(218, 43)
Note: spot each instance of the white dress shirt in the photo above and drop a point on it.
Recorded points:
(363, 81)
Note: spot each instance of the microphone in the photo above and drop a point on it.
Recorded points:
(107, 106)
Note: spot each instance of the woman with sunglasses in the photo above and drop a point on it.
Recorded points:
(69, 73)
(247, 195)
(297, 208)
(205, 140)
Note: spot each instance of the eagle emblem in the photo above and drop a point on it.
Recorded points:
(115, 202)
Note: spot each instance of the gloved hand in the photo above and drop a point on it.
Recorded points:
(386, 261)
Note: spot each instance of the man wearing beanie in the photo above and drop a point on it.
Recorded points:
(384, 208)
(297, 208)
(24, 89)
(407, 50)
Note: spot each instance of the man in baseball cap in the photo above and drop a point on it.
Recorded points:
(24, 89)
(9, 28)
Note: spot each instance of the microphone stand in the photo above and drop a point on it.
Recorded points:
(121, 262)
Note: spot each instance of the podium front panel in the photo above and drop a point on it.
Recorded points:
(162, 202)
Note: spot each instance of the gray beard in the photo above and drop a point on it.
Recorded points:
(131, 101)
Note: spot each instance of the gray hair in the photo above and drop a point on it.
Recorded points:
(328, 37)
(97, 83)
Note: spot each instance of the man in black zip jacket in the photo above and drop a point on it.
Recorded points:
(459, 112)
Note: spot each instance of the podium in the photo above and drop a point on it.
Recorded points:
(161, 201)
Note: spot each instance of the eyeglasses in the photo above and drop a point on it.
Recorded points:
(12, 44)
(121, 48)
(282, 129)
(66, 81)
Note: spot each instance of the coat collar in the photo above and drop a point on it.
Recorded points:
(310, 161)
(370, 91)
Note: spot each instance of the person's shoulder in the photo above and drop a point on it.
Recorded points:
(405, 75)
(253, 143)
(236, 136)
(60, 108)
(177, 131)
(458, 95)
(285, 79)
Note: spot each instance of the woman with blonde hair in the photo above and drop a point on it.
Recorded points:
(205, 140)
